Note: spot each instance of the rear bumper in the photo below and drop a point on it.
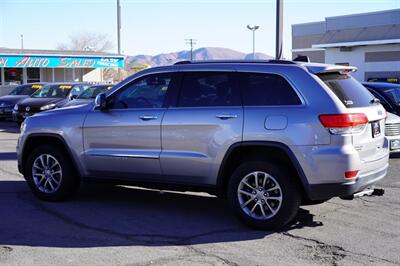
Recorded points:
(327, 191)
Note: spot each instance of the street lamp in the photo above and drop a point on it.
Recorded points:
(253, 29)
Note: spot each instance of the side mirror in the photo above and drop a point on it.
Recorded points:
(72, 97)
(100, 103)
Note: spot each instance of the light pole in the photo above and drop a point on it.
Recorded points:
(22, 41)
(119, 34)
(253, 29)
(279, 29)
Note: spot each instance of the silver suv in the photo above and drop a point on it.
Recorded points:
(267, 135)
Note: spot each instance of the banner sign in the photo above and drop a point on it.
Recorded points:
(60, 62)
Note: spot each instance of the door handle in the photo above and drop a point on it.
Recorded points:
(148, 117)
(226, 116)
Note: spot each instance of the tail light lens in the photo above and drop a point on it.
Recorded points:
(339, 124)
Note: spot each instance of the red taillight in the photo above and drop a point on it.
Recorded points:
(343, 120)
(350, 174)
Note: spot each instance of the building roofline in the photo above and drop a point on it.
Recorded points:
(357, 43)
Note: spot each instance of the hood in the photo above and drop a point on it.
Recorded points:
(11, 100)
(392, 119)
(39, 102)
(78, 102)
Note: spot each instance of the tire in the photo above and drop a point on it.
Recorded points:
(61, 185)
(277, 213)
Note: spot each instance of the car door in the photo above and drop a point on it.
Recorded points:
(124, 140)
(196, 133)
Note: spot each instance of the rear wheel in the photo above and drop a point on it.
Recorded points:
(50, 173)
(263, 195)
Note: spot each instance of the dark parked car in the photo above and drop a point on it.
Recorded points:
(19, 93)
(387, 93)
(51, 96)
(89, 94)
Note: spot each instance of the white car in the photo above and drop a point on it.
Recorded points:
(392, 132)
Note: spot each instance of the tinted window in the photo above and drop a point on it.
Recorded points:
(25, 89)
(53, 91)
(267, 89)
(383, 101)
(93, 91)
(393, 94)
(350, 92)
(208, 89)
(147, 92)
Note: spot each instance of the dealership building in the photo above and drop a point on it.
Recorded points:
(369, 41)
(20, 66)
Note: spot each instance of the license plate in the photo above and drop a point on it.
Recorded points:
(376, 129)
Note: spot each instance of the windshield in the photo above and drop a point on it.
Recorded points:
(92, 92)
(350, 92)
(26, 89)
(393, 94)
(53, 91)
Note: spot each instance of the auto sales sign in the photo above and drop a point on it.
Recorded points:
(60, 62)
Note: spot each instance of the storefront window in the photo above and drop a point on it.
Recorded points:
(13, 76)
(33, 75)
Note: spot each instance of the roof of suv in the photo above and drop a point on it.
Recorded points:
(314, 68)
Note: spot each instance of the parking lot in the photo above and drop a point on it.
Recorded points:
(130, 226)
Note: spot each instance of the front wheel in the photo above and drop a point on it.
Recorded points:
(50, 173)
(264, 195)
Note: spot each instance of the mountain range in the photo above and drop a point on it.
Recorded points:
(205, 53)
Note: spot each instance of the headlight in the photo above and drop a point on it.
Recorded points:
(47, 107)
(22, 128)
(16, 107)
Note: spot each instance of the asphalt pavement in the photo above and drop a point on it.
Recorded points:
(118, 225)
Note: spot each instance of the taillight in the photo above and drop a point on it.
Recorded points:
(351, 174)
(344, 123)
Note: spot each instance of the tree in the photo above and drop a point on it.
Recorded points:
(87, 41)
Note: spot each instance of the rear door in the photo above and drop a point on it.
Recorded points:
(370, 142)
(206, 121)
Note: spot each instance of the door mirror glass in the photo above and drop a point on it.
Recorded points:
(100, 102)
(72, 97)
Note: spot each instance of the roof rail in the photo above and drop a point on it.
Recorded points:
(272, 61)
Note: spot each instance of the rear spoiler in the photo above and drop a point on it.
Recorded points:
(322, 68)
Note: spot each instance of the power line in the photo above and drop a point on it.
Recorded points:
(192, 43)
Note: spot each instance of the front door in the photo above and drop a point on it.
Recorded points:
(124, 140)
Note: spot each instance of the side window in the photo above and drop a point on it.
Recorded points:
(267, 89)
(208, 89)
(384, 103)
(147, 92)
(76, 90)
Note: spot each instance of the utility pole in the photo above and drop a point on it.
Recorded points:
(279, 29)
(119, 34)
(253, 29)
(22, 41)
(192, 43)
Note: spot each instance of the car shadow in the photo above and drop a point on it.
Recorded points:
(105, 216)
(9, 127)
(8, 156)
(395, 155)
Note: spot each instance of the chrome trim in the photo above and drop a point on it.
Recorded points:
(145, 154)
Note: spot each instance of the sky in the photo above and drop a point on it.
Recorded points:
(159, 26)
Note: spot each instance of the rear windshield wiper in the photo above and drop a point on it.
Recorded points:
(375, 100)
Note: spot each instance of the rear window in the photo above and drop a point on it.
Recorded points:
(349, 91)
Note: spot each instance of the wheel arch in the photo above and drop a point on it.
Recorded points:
(35, 140)
(267, 150)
